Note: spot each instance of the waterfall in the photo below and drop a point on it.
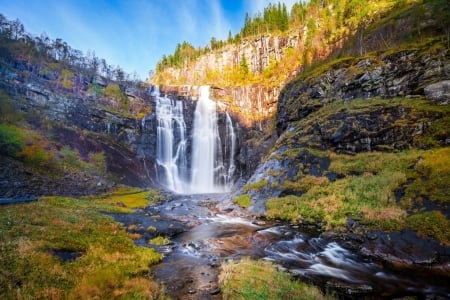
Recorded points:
(205, 145)
(212, 166)
(171, 143)
(230, 148)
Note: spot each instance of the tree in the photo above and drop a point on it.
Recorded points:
(119, 74)
(244, 70)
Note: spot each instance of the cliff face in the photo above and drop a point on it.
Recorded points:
(403, 73)
(252, 103)
(258, 52)
(82, 124)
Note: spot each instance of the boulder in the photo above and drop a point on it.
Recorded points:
(438, 92)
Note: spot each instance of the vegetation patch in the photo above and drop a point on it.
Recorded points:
(432, 177)
(110, 265)
(431, 225)
(160, 241)
(125, 199)
(367, 192)
(250, 279)
(243, 200)
(255, 186)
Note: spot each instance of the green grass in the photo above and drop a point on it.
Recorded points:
(367, 190)
(255, 186)
(258, 280)
(125, 199)
(159, 241)
(110, 265)
(12, 139)
(243, 201)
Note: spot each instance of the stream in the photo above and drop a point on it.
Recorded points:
(377, 266)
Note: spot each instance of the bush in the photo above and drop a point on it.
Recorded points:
(243, 200)
(12, 140)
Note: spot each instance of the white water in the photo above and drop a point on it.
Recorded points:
(171, 143)
(207, 158)
(230, 148)
(212, 168)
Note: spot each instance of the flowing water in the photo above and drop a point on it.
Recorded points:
(171, 143)
(212, 166)
(386, 266)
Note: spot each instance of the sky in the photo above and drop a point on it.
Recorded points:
(133, 34)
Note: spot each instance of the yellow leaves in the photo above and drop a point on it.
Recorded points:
(66, 78)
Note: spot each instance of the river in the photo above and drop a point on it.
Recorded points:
(379, 266)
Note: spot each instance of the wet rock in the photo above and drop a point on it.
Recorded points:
(259, 222)
(371, 236)
(438, 92)
(349, 288)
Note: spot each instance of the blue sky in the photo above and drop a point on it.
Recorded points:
(133, 33)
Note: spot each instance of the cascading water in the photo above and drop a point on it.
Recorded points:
(212, 166)
(230, 147)
(207, 160)
(171, 143)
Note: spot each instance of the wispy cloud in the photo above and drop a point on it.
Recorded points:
(133, 34)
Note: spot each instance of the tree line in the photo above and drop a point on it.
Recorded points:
(40, 55)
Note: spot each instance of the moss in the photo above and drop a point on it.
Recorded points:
(431, 225)
(251, 279)
(125, 199)
(432, 176)
(256, 186)
(159, 241)
(243, 200)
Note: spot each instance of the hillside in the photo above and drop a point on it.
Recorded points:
(364, 139)
(68, 122)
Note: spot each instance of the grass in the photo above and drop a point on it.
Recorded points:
(243, 201)
(125, 199)
(250, 279)
(367, 189)
(110, 265)
(432, 177)
(159, 241)
(255, 186)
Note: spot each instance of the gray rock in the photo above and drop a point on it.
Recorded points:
(438, 92)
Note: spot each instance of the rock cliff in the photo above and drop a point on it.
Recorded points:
(84, 123)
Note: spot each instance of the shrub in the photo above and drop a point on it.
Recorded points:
(243, 200)
(12, 139)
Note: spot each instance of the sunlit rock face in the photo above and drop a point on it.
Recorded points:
(406, 73)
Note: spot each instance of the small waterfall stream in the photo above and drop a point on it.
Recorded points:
(211, 168)
(171, 143)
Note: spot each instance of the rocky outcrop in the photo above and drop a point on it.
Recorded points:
(258, 52)
(88, 125)
(350, 106)
(404, 73)
(439, 92)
